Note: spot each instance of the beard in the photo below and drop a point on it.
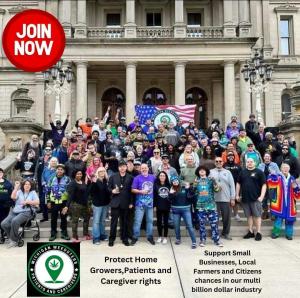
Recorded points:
(34, 144)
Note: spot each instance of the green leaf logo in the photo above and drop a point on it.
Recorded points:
(54, 265)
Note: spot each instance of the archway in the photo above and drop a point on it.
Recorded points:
(115, 98)
(154, 96)
(198, 96)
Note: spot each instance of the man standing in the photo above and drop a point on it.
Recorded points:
(58, 130)
(235, 171)
(119, 185)
(57, 196)
(142, 187)
(225, 197)
(252, 186)
(165, 166)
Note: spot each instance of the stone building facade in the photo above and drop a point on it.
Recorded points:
(127, 52)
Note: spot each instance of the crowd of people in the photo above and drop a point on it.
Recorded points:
(127, 173)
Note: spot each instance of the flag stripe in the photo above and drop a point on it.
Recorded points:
(184, 112)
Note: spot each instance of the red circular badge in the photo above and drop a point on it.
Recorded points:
(33, 40)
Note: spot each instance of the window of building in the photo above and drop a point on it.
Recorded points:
(194, 19)
(286, 34)
(154, 96)
(113, 19)
(153, 19)
(286, 107)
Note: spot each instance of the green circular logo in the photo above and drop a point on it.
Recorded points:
(53, 269)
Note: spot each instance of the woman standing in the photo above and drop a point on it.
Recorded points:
(206, 205)
(92, 169)
(5, 200)
(100, 195)
(162, 204)
(283, 191)
(208, 158)
(48, 172)
(155, 161)
(61, 152)
(24, 196)
(78, 205)
(181, 200)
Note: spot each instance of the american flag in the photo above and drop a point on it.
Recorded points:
(184, 112)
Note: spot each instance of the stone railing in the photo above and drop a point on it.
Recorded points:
(8, 165)
(204, 32)
(105, 32)
(148, 32)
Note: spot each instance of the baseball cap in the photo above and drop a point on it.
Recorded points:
(122, 162)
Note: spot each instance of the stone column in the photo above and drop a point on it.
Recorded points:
(180, 82)
(245, 96)
(130, 90)
(218, 103)
(244, 18)
(229, 90)
(229, 25)
(266, 29)
(80, 27)
(66, 100)
(269, 103)
(2, 12)
(81, 90)
(66, 17)
(130, 26)
(40, 99)
(179, 26)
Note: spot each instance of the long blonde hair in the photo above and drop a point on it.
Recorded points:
(100, 169)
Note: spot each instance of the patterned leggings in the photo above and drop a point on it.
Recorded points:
(289, 227)
(213, 218)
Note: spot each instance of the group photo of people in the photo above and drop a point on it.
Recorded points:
(140, 176)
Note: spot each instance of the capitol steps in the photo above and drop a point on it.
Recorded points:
(238, 228)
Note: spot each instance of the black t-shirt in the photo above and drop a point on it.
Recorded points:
(161, 197)
(251, 183)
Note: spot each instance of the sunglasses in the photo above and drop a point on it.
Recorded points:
(219, 161)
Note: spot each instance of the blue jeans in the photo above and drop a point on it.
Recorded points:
(138, 217)
(99, 215)
(185, 213)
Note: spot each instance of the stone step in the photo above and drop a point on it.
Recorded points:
(236, 231)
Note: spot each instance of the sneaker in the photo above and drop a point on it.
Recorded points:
(194, 245)
(165, 241)
(289, 237)
(237, 218)
(220, 244)
(126, 242)
(65, 236)
(159, 240)
(178, 241)
(44, 219)
(151, 240)
(75, 240)
(12, 244)
(249, 235)
(258, 236)
(96, 242)
(133, 241)
(202, 243)
(52, 238)
(87, 237)
(273, 236)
